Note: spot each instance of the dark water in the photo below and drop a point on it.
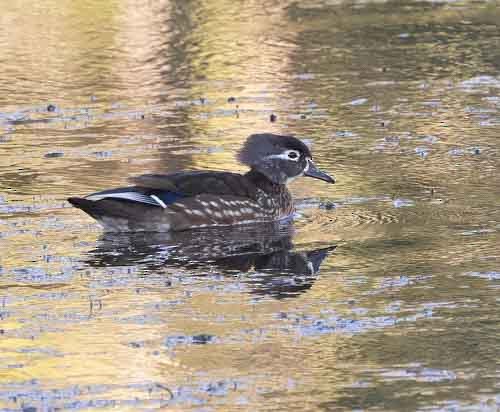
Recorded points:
(384, 294)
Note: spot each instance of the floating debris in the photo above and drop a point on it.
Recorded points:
(456, 151)
(344, 134)
(51, 155)
(328, 205)
(201, 339)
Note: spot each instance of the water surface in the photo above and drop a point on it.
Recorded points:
(383, 295)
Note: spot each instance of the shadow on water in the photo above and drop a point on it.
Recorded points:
(265, 254)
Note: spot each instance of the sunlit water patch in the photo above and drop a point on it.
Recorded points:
(383, 295)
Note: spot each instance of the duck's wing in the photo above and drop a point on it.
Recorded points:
(199, 182)
(127, 197)
(162, 191)
(177, 201)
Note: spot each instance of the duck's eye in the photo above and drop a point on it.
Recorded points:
(292, 154)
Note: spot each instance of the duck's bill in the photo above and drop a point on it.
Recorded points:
(313, 171)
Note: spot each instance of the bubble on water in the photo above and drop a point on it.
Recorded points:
(492, 99)
(103, 154)
(430, 139)
(403, 203)
(485, 275)
(357, 102)
(477, 81)
(419, 374)
(456, 152)
(305, 76)
(432, 103)
(422, 151)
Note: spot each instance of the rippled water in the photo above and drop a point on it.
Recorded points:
(384, 294)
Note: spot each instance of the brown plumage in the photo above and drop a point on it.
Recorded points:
(193, 199)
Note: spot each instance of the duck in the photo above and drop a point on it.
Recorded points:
(187, 200)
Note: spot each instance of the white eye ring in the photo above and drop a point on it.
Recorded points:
(292, 155)
(286, 155)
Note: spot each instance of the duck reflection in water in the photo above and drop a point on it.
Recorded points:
(265, 253)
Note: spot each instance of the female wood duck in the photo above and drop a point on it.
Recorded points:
(194, 199)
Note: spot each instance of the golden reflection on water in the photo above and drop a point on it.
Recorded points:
(145, 86)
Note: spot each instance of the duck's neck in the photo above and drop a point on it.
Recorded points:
(276, 196)
(261, 181)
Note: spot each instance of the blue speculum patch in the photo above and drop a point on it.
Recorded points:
(166, 197)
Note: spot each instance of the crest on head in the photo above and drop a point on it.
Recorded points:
(279, 158)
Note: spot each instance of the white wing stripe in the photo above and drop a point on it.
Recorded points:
(133, 196)
(160, 202)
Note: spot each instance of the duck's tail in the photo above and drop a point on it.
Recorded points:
(93, 208)
(120, 216)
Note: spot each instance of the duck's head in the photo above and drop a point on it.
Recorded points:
(280, 158)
